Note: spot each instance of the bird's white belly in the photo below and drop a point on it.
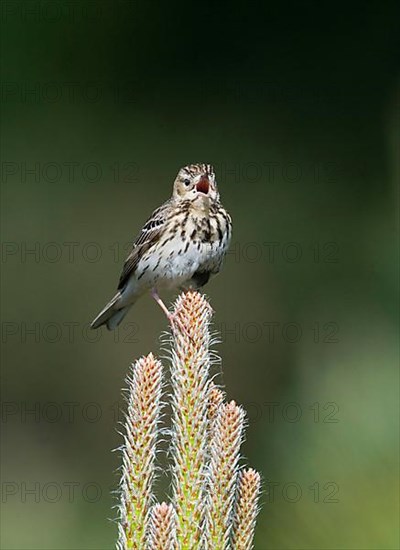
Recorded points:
(175, 263)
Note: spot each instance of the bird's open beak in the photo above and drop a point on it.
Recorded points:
(203, 185)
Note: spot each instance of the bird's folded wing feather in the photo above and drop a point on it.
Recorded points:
(149, 235)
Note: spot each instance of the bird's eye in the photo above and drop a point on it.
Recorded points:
(186, 182)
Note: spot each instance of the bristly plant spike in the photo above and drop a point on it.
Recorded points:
(189, 378)
(139, 451)
(246, 509)
(214, 504)
(223, 469)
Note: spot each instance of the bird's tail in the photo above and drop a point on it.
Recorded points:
(111, 315)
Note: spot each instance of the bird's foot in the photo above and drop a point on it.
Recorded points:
(174, 321)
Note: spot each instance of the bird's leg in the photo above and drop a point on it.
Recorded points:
(160, 303)
(170, 316)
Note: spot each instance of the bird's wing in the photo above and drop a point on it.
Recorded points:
(149, 234)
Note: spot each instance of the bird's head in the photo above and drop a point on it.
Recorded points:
(196, 182)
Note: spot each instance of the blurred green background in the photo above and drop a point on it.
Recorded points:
(295, 105)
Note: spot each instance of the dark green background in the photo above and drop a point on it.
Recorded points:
(294, 104)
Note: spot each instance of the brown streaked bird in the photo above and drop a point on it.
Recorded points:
(181, 245)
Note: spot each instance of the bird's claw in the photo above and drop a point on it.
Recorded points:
(178, 323)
